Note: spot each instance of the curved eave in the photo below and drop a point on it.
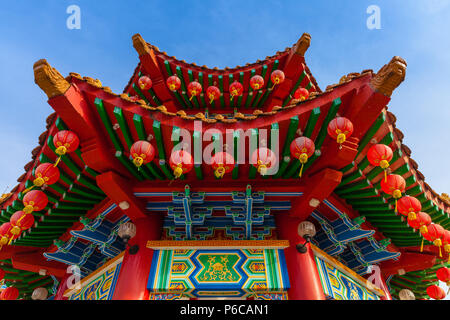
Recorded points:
(164, 66)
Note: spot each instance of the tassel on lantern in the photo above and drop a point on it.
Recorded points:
(438, 243)
(303, 159)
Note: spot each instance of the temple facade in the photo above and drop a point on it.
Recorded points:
(243, 183)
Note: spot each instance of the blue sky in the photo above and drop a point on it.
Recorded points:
(228, 33)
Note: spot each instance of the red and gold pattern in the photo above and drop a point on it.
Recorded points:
(340, 129)
(222, 163)
(236, 89)
(21, 221)
(301, 94)
(145, 83)
(409, 206)
(35, 200)
(46, 173)
(380, 155)
(173, 83)
(257, 82)
(394, 185)
(435, 233)
(194, 89)
(142, 153)
(302, 148)
(6, 235)
(263, 159)
(181, 162)
(65, 141)
(277, 77)
(213, 93)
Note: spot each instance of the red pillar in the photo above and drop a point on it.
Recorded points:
(62, 288)
(303, 275)
(133, 276)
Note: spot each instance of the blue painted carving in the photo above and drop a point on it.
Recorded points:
(92, 246)
(344, 239)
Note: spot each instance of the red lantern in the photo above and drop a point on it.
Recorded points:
(10, 293)
(21, 221)
(2, 274)
(263, 159)
(194, 89)
(435, 292)
(174, 83)
(35, 200)
(142, 152)
(409, 206)
(380, 155)
(301, 94)
(256, 82)
(302, 148)
(443, 274)
(65, 141)
(394, 185)
(46, 173)
(6, 236)
(421, 221)
(222, 162)
(236, 89)
(435, 233)
(213, 93)
(277, 77)
(446, 243)
(340, 129)
(181, 162)
(144, 83)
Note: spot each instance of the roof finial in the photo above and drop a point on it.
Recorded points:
(390, 76)
(303, 44)
(140, 45)
(49, 79)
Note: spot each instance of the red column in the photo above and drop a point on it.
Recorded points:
(62, 288)
(303, 275)
(133, 277)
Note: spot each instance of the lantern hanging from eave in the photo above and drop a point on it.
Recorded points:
(263, 159)
(194, 89)
(213, 93)
(181, 162)
(10, 293)
(443, 274)
(434, 233)
(394, 185)
(174, 83)
(421, 221)
(222, 163)
(277, 77)
(35, 200)
(302, 148)
(435, 292)
(409, 206)
(21, 221)
(446, 243)
(145, 83)
(6, 236)
(65, 141)
(45, 173)
(380, 155)
(340, 129)
(256, 82)
(301, 94)
(236, 90)
(142, 153)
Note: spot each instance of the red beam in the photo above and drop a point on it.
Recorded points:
(408, 261)
(320, 186)
(35, 262)
(119, 190)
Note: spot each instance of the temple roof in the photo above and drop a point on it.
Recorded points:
(160, 113)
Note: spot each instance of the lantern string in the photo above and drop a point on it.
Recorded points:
(421, 246)
(57, 161)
